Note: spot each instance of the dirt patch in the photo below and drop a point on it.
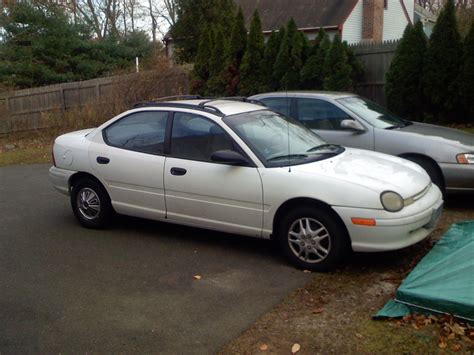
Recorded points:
(333, 313)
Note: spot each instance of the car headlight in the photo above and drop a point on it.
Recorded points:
(465, 158)
(391, 201)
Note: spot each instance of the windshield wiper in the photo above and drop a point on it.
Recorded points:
(404, 124)
(288, 156)
(323, 146)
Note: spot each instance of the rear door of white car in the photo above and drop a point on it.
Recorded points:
(129, 159)
(203, 193)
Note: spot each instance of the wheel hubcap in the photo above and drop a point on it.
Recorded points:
(309, 240)
(88, 203)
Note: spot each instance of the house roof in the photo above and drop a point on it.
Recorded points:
(307, 14)
(425, 13)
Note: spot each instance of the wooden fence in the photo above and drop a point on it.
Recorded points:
(376, 59)
(44, 107)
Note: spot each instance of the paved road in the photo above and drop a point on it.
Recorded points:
(130, 288)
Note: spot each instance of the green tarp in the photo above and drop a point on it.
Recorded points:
(442, 282)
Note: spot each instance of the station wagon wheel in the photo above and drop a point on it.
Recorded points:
(91, 203)
(313, 238)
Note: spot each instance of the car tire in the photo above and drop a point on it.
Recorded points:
(91, 204)
(319, 248)
(432, 170)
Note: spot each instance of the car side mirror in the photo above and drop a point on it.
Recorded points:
(352, 125)
(230, 157)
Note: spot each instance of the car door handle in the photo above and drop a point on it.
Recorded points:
(103, 160)
(178, 171)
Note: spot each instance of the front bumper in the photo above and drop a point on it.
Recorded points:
(458, 177)
(59, 178)
(394, 230)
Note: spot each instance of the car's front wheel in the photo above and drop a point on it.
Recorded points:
(91, 204)
(313, 238)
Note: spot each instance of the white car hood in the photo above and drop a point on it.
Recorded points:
(376, 171)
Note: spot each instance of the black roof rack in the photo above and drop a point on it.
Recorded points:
(179, 97)
(236, 98)
(202, 106)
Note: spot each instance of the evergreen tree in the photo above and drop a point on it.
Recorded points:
(234, 54)
(312, 73)
(442, 66)
(306, 48)
(193, 17)
(201, 70)
(357, 68)
(215, 85)
(403, 87)
(251, 69)
(270, 83)
(337, 71)
(282, 63)
(467, 83)
(289, 60)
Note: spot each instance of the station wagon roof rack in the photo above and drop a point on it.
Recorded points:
(204, 108)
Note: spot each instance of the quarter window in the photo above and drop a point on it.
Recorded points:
(196, 138)
(141, 131)
(320, 114)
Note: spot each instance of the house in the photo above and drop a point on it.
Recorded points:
(427, 18)
(355, 20)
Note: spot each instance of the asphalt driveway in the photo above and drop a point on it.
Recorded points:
(130, 288)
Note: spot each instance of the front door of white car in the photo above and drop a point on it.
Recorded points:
(131, 163)
(206, 194)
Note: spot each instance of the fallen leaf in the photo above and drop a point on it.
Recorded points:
(457, 329)
(415, 326)
(263, 347)
(198, 277)
(456, 347)
(295, 348)
(307, 271)
(358, 335)
(442, 344)
(318, 310)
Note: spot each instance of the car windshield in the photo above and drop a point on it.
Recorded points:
(374, 114)
(278, 140)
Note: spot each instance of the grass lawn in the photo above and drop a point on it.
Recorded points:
(26, 148)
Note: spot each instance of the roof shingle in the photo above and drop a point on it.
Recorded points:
(306, 13)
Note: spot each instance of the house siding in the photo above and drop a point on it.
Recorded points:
(352, 29)
(395, 21)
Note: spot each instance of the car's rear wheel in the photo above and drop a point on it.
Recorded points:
(313, 238)
(91, 203)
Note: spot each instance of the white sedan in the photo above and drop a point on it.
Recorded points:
(238, 167)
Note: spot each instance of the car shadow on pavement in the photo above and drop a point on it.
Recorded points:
(400, 260)
(198, 237)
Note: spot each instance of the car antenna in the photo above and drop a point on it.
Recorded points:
(288, 127)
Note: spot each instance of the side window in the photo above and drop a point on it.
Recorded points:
(196, 138)
(141, 131)
(279, 104)
(320, 114)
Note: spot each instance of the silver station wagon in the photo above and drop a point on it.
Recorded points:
(349, 120)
